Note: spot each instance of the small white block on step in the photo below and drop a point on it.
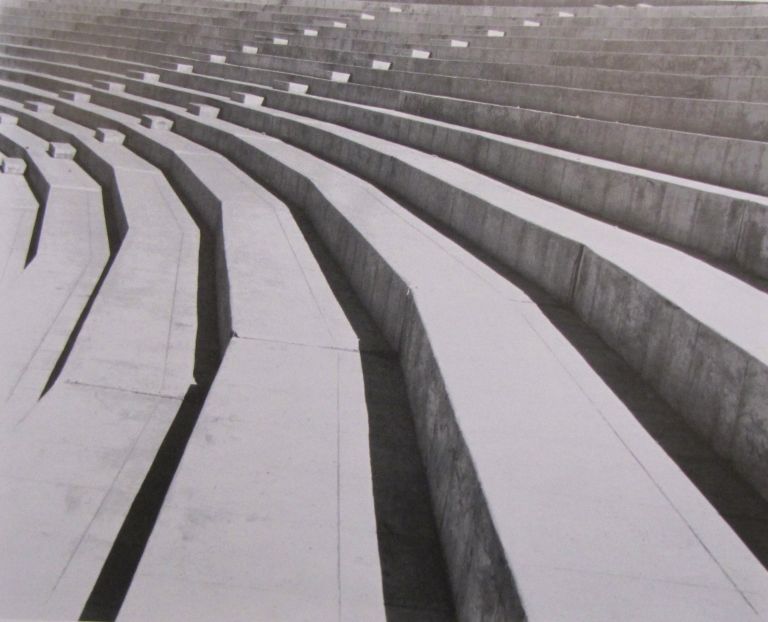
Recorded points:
(249, 49)
(381, 64)
(13, 166)
(309, 32)
(156, 122)
(457, 43)
(564, 14)
(180, 67)
(61, 151)
(495, 33)
(279, 41)
(146, 76)
(339, 25)
(109, 137)
(40, 107)
(247, 99)
(203, 110)
(340, 76)
(395, 9)
(367, 16)
(217, 58)
(291, 87)
(531, 24)
(420, 53)
(112, 87)
(75, 96)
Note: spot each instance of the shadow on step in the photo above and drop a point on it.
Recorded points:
(115, 578)
(414, 577)
(736, 501)
(116, 574)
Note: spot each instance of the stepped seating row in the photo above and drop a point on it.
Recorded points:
(294, 309)
(725, 118)
(397, 198)
(159, 559)
(740, 217)
(709, 159)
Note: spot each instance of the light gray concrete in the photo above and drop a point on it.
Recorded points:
(289, 292)
(728, 162)
(133, 353)
(551, 500)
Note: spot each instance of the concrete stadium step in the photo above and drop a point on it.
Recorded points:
(553, 28)
(532, 585)
(602, 324)
(669, 112)
(679, 394)
(701, 116)
(401, 57)
(167, 240)
(509, 43)
(592, 137)
(17, 219)
(65, 252)
(408, 235)
(285, 323)
(710, 87)
(722, 62)
(46, 468)
(613, 200)
(560, 41)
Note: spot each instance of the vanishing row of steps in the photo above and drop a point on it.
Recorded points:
(300, 336)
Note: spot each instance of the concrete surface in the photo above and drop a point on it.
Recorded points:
(478, 336)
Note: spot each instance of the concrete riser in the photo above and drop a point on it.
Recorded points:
(556, 265)
(677, 153)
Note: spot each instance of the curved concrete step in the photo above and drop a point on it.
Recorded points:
(72, 463)
(281, 308)
(733, 88)
(17, 219)
(717, 117)
(669, 208)
(664, 150)
(563, 278)
(41, 305)
(240, 137)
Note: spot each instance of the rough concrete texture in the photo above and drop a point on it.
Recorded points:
(345, 310)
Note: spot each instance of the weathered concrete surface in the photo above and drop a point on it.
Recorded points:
(712, 159)
(41, 304)
(17, 219)
(134, 351)
(523, 443)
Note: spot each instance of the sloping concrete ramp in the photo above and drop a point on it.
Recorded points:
(351, 310)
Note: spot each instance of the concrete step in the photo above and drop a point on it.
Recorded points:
(725, 118)
(633, 198)
(385, 226)
(17, 220)
(606, 80)
(664, 151)
(64, 253)
(596, 234)
(285, 322)
(671, 394)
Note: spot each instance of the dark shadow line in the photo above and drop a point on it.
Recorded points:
(117, 573)
(414, 575)
(114, 581)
